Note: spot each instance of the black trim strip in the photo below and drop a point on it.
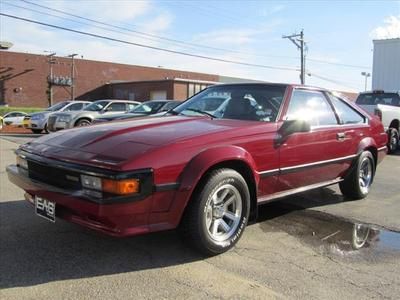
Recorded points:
(166, 187)
(298, 168)
(293, 169)
(269, 173)
(82, 169)
(20, 176)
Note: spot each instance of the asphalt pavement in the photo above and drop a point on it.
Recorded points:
(314, 245)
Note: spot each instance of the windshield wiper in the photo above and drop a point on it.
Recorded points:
(201, 112)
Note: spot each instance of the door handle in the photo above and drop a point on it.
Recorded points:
(341, 136)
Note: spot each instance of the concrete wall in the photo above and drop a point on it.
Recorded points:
(386, 65)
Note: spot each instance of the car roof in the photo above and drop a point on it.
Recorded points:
(15, 111)
(270, 84)
(117, 100)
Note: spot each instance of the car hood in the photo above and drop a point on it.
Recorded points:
(119, 141)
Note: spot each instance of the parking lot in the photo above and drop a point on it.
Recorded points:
(301, 247)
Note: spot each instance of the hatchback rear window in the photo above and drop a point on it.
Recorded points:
(375, 99)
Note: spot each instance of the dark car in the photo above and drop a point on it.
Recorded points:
(203, 173)
(145, 109)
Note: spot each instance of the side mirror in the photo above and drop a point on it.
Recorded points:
(293, 126)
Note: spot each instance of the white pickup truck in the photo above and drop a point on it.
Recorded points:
(385, 105)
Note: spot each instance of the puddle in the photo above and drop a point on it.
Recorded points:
(329, 234)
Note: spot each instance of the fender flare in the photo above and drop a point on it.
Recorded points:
(206, 159)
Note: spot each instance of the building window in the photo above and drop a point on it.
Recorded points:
(194, 88)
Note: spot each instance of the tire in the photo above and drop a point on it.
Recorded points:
(83, 122)
(36, 131)
(393, 140)
(357, 183)
(217, 214)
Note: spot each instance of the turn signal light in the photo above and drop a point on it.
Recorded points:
(121, 187)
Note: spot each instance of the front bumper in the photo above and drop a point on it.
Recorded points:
(37, 124)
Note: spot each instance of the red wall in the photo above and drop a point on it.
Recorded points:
(23, 78)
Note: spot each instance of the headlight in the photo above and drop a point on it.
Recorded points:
(65, 119)
(120, 187)
(38, 117)
(22, 163)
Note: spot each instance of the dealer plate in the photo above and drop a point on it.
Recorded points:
(45, 208)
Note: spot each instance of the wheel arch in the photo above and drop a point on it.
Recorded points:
(232, 157)
(395, 124)
(82, 118)
(369, 144)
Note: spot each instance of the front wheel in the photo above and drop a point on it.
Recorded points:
(83, 122)
(217, 213)
(357, 183)
(393, 141)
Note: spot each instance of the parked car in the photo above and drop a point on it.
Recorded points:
(38, 122)
(103, 108)
(144, 109)
(386, 105)
(204, 174)
(14, 118)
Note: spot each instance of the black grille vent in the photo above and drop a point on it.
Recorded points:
(54, 176)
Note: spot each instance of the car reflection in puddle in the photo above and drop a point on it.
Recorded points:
(331, 235)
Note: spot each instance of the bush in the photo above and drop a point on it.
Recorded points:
(6, 109)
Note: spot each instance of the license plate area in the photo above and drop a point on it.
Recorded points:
(45, 208)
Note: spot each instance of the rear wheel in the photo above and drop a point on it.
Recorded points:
(217, 214)
(36, 131)
(393, 142)
(357, 183)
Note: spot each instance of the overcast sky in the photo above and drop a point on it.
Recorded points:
(337, 33)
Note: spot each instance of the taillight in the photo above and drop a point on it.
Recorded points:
(378, 113)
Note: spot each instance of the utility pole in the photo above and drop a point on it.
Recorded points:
(298, 40)
(51, 62)
(366, 75)
(72, 76)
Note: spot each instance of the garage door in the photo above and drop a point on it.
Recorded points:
(158, 95)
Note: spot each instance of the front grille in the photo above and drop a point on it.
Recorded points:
(54, 176)
(50, 122)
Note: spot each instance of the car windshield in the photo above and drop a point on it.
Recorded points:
(241, 102)
(96, 106)
(57, 106)
(147, 107)
(375, 98)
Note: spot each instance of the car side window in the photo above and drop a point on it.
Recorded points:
(347, 114)
(131, 106)
(75, 107)
(116, 107)
(311, 106)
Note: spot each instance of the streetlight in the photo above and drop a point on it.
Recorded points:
(366, 75)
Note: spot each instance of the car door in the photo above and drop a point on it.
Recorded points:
(315, 157)
(115, 108)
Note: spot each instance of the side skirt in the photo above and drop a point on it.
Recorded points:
(272, 197)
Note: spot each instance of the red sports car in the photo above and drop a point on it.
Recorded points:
(203, 168)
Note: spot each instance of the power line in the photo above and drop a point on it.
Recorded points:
(131, 30)
(175, 41)
(150, 47)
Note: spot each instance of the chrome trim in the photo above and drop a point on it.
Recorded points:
(278, 195)
(309, 165)
(322, 162)
(384, 148)
(268, 173)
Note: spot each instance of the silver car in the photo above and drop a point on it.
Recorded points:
(38, 122)
(64, 120)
